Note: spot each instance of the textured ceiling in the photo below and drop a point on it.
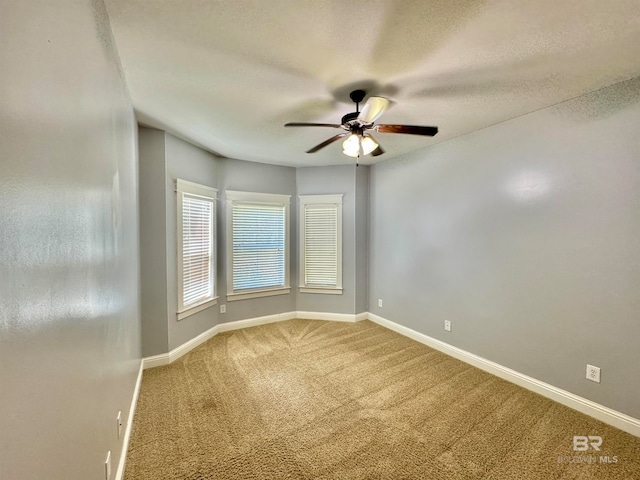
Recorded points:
(227, 74)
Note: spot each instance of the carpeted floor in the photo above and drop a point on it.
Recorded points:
(307, 399)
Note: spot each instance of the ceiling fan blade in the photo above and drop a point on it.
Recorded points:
(373, 108)
(304, 124)
(408, 129)
(326, 142)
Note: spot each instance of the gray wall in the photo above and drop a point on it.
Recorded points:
(191, 163)
(362, 239)
(348, 180)
(153, 242)
(163, 159)
(69, 309)
(170, 158)
(525, 235)
(256, 177)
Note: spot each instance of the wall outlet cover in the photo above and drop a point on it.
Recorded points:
(119, 424)
(380, 302)
(223, 309)
(593, 373)
(447, 325)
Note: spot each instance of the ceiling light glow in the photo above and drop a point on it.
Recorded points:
(351, 154)
(351, 146)
(368, 145)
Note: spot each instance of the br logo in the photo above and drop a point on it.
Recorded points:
(582, 444)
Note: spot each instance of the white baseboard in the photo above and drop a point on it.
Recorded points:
(605, 414)
(254, 322)
(176, 353)
(333, 317)
(173, 355)
(127, 430)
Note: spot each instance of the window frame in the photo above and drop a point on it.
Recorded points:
(195, 190)
(238, 197)
(336, 199)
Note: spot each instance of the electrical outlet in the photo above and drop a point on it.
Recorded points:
(119, 424)
(593, 373)
(380, 302)
(107, 466)
(447, 325)
(223, 309)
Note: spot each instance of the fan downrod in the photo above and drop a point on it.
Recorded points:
(356, 96)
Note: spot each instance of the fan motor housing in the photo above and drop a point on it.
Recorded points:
(349, 117)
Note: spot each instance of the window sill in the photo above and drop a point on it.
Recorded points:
(325, 291)
(232, 297)
(191, 309)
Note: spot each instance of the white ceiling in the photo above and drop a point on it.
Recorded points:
(227, 74)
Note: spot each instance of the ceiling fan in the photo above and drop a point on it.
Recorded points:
(358, 124)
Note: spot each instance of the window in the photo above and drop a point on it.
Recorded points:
(196, 247)
(321, 244)
(257, 245)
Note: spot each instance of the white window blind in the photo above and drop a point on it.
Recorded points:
(197, 240)
(196, 246)
(259, 246)
(321, 243)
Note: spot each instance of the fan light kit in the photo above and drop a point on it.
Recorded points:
(359, 141)
(354, 144)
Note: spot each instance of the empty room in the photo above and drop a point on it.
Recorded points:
(278, 239)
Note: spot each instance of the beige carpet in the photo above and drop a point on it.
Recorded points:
(307, 399)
